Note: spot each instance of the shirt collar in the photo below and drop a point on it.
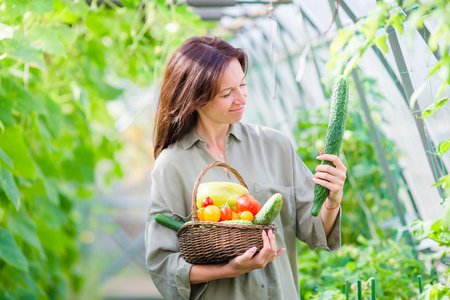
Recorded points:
(191, 138)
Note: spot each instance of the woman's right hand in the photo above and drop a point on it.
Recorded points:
(249, 261)
(239, 265)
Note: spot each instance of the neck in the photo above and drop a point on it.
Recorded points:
(214, 136)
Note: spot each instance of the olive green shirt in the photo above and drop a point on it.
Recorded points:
(268, 163)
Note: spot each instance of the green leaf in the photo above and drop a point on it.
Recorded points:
(342, 37)
(53, 240)
(435, 106)
(71, 12)
(397, 22)
(437, 66)
(24, 101)
(351, 65)
(446, 216)
(444, 182)
(10, 252)
(53, 116)
(380, 42)
(23, 226)
(47, 40)
(6, 108)
(19, 48)
(9, 186)
(51, 189)
(443, 147)
(19, 7)
(13, 144)
(419, 229)
(436, 37)
(6, 159)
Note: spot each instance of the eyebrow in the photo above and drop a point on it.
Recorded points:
(228, 88)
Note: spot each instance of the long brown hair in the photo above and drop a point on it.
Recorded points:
(191, 80)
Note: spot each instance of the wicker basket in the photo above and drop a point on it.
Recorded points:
(215, 242)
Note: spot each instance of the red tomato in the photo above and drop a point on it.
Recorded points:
(247, 202)
(207, 201)
(225, 213)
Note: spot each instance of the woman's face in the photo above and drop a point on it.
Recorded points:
(228, 105)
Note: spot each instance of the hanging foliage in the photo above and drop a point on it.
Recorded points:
(59, 61)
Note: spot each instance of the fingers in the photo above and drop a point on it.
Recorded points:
(334, 188)
(268, 253)
(334, 175)
(281, 251)
(244, 259)
(334, 159)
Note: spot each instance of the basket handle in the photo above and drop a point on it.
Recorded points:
(199, 179)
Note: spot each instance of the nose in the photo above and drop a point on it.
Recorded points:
(241, 96)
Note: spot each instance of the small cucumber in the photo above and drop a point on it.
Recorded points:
(270, 210)
(168, 222)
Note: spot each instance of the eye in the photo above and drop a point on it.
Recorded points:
(243, 84)
(227, 94)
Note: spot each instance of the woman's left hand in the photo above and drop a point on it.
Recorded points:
(333, 178)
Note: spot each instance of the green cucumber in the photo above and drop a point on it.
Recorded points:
(168, 222)
(237, 222)
(335, 132)
(270, 210)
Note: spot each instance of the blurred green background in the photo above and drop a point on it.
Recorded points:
(78, 86)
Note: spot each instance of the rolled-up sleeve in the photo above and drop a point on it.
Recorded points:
(310, 229)
(167, 268)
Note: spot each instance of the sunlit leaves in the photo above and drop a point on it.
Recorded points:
(380, 42)
(443, 147)
(19, 7)
(419, 229)
(444, 182)
(13, 144)
(60, 62)
(19, 48)
(392, 264)
(435, 106)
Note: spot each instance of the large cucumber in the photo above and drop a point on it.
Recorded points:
(335, 132)
(270, 210)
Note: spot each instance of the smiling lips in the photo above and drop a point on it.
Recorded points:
(240, 109)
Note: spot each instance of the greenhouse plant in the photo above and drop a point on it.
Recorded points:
(79, 83)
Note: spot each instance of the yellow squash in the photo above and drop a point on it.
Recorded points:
(220, 193)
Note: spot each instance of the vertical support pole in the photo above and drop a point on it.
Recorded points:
(409, 89)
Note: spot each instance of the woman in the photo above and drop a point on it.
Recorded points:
(202, 101)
